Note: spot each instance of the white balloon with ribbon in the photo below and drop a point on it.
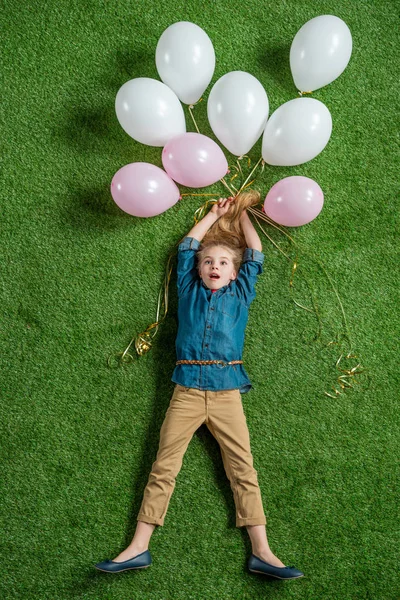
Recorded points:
(320, 52)
(185, 60)
(149, 111)
(237, 111)
(296, 132)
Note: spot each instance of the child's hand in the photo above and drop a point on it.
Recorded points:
(222, 206)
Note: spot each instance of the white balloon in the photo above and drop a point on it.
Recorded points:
(238, 111)
(296, 132)
(185, 60)
(320, 52)
(149, 111)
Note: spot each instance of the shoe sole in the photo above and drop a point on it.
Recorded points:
(276, 576)
(122, 570)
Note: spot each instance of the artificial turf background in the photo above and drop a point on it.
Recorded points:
(79, 278)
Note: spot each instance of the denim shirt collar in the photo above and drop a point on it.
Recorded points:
(222, 289)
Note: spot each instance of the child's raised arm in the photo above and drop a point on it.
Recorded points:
(200, 229)
(251, 235)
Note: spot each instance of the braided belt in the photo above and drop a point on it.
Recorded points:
(209, 362)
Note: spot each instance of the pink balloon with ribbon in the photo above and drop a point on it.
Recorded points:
(143, 190)
(294, 201)
(194, 160)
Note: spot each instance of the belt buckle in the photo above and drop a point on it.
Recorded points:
(221, 364)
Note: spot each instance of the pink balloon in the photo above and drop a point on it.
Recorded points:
(143, 190)
(294, 201)
(194, 160)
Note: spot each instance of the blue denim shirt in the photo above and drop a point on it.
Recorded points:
(212, 324)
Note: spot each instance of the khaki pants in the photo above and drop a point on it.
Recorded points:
(223, 414)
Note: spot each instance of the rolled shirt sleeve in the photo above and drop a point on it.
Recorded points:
(187, 270)
(249, 271)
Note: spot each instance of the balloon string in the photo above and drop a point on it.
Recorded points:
(232, 193)
(190, 107)
(263, 216)
(238, 167)
(239, 172)
(250, 174)
(143, 340)
(199, 213)
(305, 93)
(294, 269)
(197, 195)
(346, 376)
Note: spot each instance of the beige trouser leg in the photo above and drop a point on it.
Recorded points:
(223, 414)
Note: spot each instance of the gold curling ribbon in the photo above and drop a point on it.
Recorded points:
(239, 173)
(143, 341)
(197, 195)
(200, 212)
(305, 93)
(346, 378)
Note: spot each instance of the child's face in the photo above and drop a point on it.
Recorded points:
(216, 269)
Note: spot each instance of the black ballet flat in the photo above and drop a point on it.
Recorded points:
(141, 561)
(256, 565)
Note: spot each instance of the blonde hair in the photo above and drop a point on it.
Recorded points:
(227, 230)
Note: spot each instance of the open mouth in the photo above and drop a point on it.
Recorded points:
(214, 276)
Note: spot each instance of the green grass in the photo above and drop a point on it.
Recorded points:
(79, 278)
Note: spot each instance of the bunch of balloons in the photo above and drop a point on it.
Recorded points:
(151, 112)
